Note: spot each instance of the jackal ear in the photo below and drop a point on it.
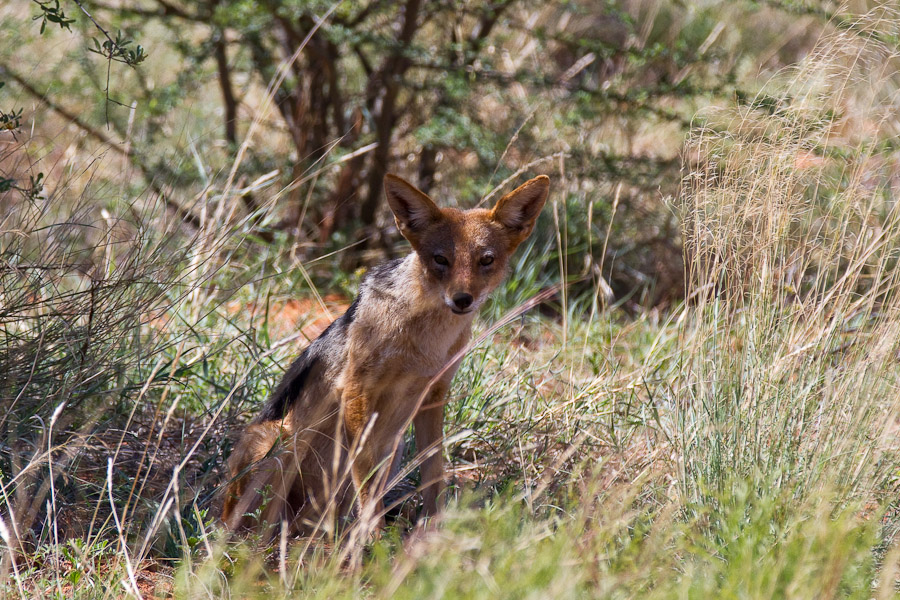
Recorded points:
(519, 209)
(412, 208)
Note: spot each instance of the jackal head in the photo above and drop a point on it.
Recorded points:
(465, 253)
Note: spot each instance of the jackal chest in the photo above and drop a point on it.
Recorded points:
(424, 351)
(408, 345)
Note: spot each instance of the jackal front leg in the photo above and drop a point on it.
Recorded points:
(429, 424)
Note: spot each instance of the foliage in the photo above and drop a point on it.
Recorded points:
(52, 12)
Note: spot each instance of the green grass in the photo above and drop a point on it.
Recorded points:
(598, 543)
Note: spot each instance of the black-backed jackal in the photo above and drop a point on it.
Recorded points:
(328, 435)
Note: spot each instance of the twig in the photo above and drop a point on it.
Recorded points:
(113, 45)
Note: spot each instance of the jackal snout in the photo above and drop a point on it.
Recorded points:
(462, 301)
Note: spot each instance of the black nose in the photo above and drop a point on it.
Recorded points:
(462, 300)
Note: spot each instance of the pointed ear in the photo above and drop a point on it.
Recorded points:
(518, 210)
(413, 209)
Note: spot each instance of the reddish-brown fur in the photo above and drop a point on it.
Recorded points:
(387, 366)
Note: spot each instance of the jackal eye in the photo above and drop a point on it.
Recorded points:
(441, 260)
(486, 260)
